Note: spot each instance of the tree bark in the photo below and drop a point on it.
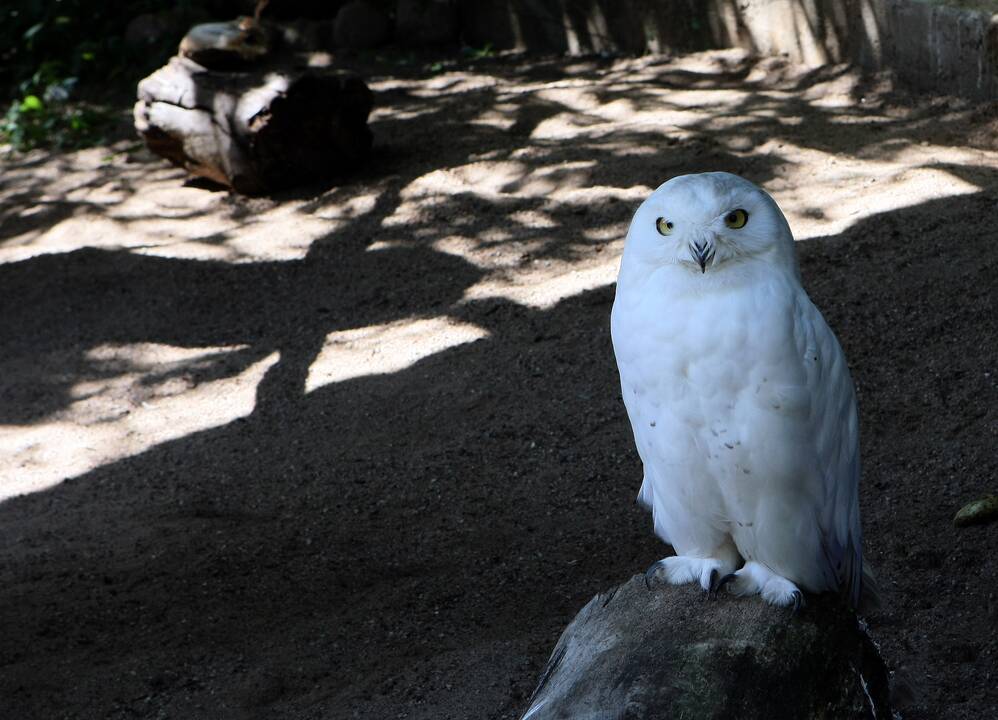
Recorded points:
(259, 130)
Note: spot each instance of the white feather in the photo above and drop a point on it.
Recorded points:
(738, 392)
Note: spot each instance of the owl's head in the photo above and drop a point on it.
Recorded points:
(707, 222)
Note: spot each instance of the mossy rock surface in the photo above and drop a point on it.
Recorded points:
(672, 652)
(978, 512)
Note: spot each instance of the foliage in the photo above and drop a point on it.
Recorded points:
(483, 53)
(49, 120)
(66, 38)
(53, 52)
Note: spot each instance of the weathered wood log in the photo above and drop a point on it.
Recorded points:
(670, 652)
(258, 130)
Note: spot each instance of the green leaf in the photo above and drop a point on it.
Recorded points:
(32, 103)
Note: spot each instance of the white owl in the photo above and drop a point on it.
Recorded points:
(742, 406)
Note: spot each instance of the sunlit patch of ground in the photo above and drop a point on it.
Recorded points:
(146, 397)
(539, 204)
(379, 349)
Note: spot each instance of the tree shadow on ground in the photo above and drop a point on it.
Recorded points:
(453, 131)
(118, 296)
(414, 542)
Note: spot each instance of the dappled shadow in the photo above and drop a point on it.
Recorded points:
(117, 297)
(940, 46)
(745, 104)
(399, 541)
(413, 540)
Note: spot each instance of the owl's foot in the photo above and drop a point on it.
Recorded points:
(756, 579)
(682, 569)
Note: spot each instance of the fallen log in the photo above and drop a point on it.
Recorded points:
(639, 654)
(255, 130)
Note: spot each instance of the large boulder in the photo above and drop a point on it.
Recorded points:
(672, 652)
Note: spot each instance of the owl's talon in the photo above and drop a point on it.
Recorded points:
(713, 583)
(650, 574)
(724, 581)
(798, 599)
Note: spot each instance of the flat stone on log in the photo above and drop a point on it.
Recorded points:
(672, 652)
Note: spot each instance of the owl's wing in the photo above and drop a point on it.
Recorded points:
(835, 424)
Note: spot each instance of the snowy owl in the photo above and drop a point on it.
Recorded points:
(738, 393)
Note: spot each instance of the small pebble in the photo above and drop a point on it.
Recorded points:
(978, 512)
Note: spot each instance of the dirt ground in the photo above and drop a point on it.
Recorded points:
(358, 451)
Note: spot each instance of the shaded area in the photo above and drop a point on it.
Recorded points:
(647, 653)
(347, 552)
(940, 45)
(414, 542)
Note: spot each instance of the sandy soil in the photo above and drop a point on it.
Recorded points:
(358, 451)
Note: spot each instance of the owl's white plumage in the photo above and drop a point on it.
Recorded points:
(742, 405)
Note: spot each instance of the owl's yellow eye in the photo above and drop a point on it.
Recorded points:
(736, 219)
(663, 226)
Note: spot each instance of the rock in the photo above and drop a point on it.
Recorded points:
(259, 131)
(977, 512)
(426, 22)
(226, 45)
(673, 653)
(361, 25)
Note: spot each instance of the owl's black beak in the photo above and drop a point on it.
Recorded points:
(703, 252)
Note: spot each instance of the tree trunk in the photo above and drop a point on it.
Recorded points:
(256, 131)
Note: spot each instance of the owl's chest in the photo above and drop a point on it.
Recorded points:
(704, 378)
(712, 346)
